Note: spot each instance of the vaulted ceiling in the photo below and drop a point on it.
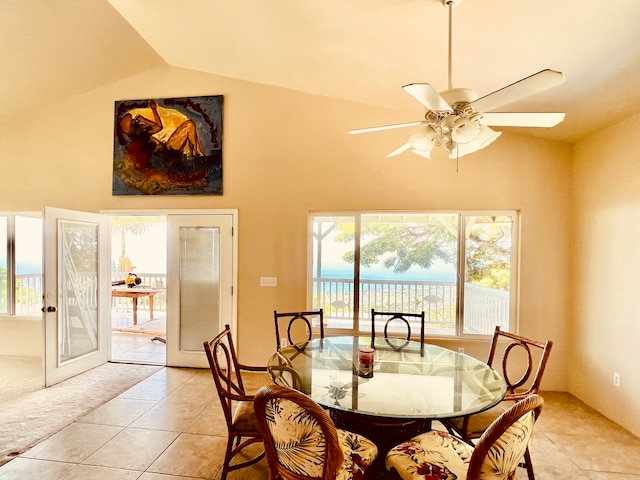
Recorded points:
(357, 50)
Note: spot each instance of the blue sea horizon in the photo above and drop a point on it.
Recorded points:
(383, 274)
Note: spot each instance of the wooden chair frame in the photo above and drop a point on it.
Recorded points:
(517, 341)
(294, 317)
(395, 317)
(333, 455)
(284, 374)
(532, 403)
(227, 375)
(513, 394)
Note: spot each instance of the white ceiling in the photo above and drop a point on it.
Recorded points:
(359, 50)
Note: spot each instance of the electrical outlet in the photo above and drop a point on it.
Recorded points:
(283, 342)
(460, 349)
(616, 379)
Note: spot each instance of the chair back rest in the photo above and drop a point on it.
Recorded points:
(223, 364)
(397, 318)
(299, 437)
(283, 373)
(297, 325)
(522, 362)
(502, 446)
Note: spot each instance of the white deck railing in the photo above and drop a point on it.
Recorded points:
(484, 307)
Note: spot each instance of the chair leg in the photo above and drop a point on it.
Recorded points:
(227, 457)
(235, 445)
(528, 465)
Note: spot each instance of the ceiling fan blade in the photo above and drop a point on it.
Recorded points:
(399, 150)
(386, 127)
(517, 119)
(427, 96)
(535, 83)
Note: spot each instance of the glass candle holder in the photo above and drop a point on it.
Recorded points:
(365, 362)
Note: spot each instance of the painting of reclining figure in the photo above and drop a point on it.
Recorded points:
(170, 146)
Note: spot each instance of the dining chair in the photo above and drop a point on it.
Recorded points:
(521, 362)
(302, 442)
(282, 372)
(242, 426)
(298, 326)
(438, 454)
(404, 320)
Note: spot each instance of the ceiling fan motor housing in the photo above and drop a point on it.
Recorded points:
(452, 2)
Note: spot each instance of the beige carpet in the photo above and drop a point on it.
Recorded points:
(30, 418)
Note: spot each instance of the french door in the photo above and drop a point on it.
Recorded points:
(201, 285)
(201, 281)
(77, 293)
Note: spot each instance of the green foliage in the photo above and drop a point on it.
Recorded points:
(488, 256)
(399, 246)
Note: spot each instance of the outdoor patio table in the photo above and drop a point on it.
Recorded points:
(135, 293)
(399, 395)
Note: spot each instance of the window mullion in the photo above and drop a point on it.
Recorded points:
(356, 273)
(462, 240)
(11, 265)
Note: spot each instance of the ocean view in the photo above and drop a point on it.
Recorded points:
(443, 274)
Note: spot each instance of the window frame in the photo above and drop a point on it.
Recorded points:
(463, 217)
(10, 250)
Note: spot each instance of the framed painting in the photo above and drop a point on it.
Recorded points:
(170, 146)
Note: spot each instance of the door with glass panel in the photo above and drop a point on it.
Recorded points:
(77, 296)
(201, 274)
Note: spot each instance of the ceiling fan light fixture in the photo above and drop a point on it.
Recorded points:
(423, 141)
(485, 137)
(465, 130)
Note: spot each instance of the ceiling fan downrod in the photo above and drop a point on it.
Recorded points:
(450, 4)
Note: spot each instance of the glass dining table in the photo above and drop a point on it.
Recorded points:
(390, 389)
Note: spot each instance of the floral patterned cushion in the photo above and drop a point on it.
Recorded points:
(300, 444)
(359, 453)
(436, 455)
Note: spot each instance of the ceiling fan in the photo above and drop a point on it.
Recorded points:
(458, 120)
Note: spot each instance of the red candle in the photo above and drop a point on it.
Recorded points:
(365, 355)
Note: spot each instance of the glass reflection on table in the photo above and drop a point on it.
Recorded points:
(411, 382)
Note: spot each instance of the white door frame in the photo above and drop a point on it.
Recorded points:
(233, 310)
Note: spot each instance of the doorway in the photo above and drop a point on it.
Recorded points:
(139, 288)
(174, 278)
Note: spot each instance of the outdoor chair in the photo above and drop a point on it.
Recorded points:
(302, 442)
(297, 325)
(438, 454)
(241, 422)
(515, 361)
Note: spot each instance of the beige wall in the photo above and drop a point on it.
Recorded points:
(605, 329)
(286, 154)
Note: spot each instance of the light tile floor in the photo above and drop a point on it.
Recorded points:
(138, 344)
(170, 427)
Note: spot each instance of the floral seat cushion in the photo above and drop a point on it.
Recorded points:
(436, 455)
(300, 444)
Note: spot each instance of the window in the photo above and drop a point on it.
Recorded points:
(411, 262)
(21, 265)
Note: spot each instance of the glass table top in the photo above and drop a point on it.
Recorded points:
(410, 382)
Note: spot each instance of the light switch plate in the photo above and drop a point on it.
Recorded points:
(268, 281)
